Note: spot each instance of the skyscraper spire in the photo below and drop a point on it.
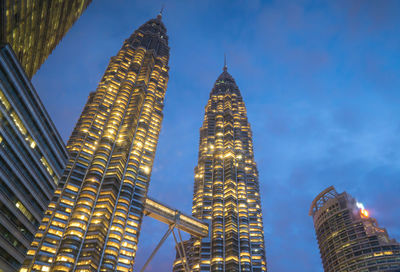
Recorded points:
(159, 16)
(162, 8)
(225, 65)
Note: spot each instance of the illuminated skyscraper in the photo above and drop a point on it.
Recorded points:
(33, 28)
(349, 239)
(226, 188)
(94, 219)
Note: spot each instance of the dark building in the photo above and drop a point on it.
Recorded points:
(94, 219)
(32, 157)
(33, 28)
(349, 239)
(226, 188)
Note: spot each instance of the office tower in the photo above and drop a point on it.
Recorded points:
(94, 219)
(348, 238)
(32, 157)
(33, 28)
(226, 188)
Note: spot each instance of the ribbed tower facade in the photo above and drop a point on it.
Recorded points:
(349, 239)
(94, 219)
(226, 188)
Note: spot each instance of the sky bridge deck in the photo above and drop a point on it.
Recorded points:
(172, 216)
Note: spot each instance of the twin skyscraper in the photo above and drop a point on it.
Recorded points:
(94, 220)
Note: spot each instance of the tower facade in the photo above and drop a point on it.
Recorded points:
(226, 188)
(348, 238)
(94, 219)
(33, 28)
(32, 158)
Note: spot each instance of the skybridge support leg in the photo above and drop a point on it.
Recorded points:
(170, 229)
(183, 249)
(182, 256)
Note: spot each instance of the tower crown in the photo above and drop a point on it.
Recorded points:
(156, 27)
(225, 84)
(152, 35)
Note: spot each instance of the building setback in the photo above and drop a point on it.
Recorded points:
(94, 219)
(33, 28)
(226, 188)
(350, 240)
(32, 157)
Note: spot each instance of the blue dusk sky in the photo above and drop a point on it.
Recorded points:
(320, 80)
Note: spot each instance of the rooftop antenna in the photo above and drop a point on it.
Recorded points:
(225, 66)
(162, 9)
(161, 12)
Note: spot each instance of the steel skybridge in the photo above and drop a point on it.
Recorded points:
(174, 219)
